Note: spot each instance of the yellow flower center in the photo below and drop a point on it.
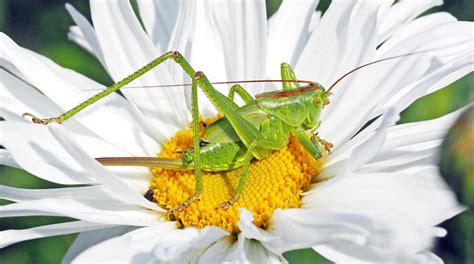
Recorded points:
(274, 182)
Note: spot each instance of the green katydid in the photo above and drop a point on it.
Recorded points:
(254, 130)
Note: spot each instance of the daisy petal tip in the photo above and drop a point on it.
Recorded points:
(245, 215)
(391, 117)
(439, 232)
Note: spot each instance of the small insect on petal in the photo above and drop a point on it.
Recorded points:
(149, 195)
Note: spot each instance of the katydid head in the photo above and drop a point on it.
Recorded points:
(320, 98)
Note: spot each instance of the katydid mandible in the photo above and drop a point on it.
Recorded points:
(254, 130)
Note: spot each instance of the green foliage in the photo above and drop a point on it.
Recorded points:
(305, 256)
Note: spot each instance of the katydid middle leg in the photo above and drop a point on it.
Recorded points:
(276, 139)
(243, 177)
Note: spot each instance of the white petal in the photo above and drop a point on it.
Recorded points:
(127, 48)
(351, 253)
(398, 136)
(18, 97)
(7, 159)
(395, 161)
(206, 54)
(450, 59)
(236, 253)
(402, 13)
(181, 37)
(414, 143)
(256, 253)
(218, 252)
(132, 247)
(80, 193)
(119, 188)
(417, 26)
(431, 83)
(370, 148)
(288, 33)
(11, 236)
(173, 244)
(61, 168)
(341, 41)
(376, 86)
(92, 210)
(314, 21)
(362, 151)
(87, 31)
(250, 230)
(159, 19)
(292, 227)
(75, 35)
(242, 26)
(406, 207)
(21, 138)
(91, 238)
(191, 257)
(417, 199)
(97, 118)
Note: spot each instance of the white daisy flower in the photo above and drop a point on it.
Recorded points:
(377, 197)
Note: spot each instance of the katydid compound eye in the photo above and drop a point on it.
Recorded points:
(317, 100)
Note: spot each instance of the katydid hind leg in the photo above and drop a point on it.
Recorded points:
(287, 74)
(173, 55)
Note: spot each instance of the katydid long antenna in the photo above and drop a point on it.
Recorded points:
(312, 83)
(216, 83)
(371, 63)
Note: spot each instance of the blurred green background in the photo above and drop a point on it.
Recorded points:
(42, 26)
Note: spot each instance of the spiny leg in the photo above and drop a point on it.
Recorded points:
(197, 152)
(174, 55)
(277, 140)
(326, 144)
(313, 147)
(243, 128)
(318, 140)
(243, 178)
(241, 92)
(114, 87)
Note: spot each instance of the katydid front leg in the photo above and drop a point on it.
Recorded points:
(314, 148)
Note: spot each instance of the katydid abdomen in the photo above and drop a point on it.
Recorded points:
(214, 157)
